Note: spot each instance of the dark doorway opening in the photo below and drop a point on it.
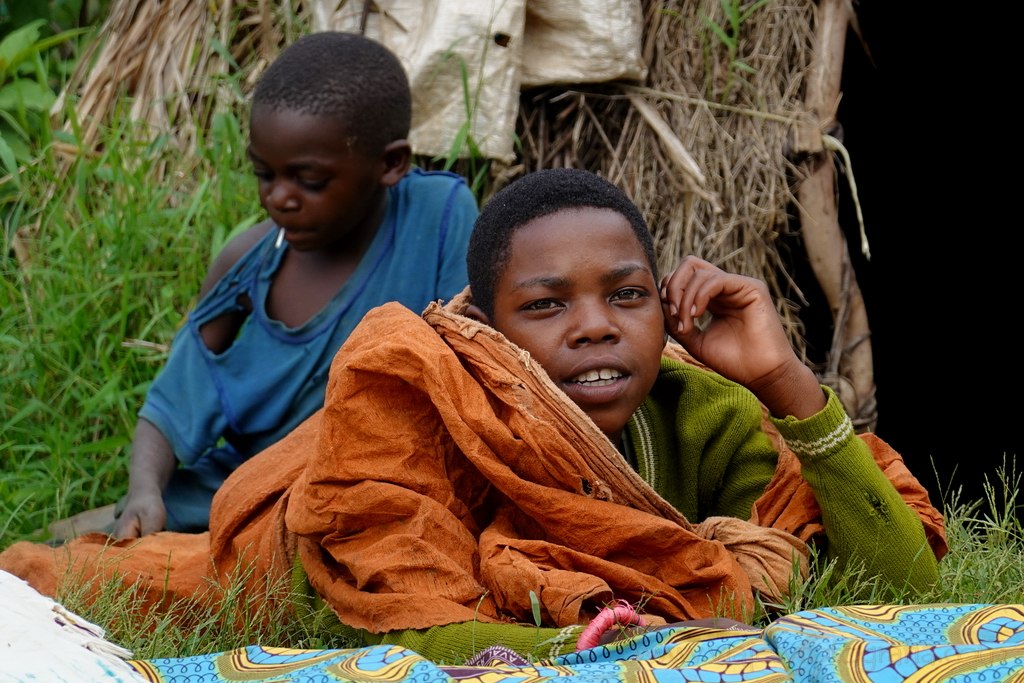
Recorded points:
(933, 152)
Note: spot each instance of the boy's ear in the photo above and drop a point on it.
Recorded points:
(397, 160)
(474, 312)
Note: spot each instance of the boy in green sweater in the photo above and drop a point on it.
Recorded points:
(562, 265)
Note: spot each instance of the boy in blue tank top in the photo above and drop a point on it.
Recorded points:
(351, 225)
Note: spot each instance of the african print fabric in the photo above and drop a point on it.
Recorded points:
(863, 644)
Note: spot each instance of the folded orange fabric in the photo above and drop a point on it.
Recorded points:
(165, 568)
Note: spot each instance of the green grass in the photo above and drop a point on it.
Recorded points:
(223, 618)
(118, 250)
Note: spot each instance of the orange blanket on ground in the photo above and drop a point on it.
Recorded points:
(447, 478)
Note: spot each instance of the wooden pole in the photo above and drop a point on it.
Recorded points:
(850, 366)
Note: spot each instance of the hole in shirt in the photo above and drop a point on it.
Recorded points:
(220, 333)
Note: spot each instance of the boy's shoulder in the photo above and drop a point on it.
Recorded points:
(236, 247)
(431, 179)
(423, 193)
(245, 240)
(681, 373)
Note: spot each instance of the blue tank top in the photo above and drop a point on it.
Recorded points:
(231, 405)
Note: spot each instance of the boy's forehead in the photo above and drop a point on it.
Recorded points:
(571, 223)
(299, 117)
(295, 132)
(558, 240)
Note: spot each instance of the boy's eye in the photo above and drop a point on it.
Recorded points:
(313, 185)
(310, 184)
(629, 294)
(541, 305)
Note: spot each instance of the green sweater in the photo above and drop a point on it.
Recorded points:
(697, 440)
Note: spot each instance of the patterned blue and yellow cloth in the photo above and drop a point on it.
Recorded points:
(966, 643)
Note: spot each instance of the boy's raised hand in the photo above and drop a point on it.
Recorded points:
(743, 340)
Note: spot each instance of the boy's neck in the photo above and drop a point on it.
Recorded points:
(625, 447)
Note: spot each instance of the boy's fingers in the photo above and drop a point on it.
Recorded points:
(128, 527)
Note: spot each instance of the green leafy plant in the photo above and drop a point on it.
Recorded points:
(464, 155)
(535, 608)
(464, 141)
(26, 91)
(729, 36)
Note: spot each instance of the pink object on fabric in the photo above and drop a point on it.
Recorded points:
(622, 614)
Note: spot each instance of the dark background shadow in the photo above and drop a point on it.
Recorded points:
(931, 135)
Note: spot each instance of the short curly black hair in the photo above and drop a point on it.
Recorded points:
(533, 196)
(346, 76)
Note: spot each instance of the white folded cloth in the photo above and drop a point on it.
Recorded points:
(40, 640)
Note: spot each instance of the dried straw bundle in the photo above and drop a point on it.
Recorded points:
(167, 57)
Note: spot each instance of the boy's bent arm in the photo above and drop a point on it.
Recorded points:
(152, 465)
(865, 517)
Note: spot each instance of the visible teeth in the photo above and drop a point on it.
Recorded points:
(598, 377)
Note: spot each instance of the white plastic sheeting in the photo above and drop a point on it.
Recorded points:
(40, 640)
(468, 60)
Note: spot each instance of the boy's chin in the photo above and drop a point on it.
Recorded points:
(614, 435)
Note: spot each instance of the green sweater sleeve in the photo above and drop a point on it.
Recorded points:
(865, 518)
(455, 643)
(450, 644)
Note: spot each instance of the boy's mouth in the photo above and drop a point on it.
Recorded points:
(597, 378)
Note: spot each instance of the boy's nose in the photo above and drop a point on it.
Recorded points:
(282, 198)
(594, 323)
